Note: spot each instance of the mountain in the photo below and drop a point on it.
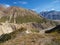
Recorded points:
(54, 15)
(19, 26)
(13, 16)
(2, 7)
(20, 15)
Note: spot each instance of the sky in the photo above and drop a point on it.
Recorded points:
(36, 5)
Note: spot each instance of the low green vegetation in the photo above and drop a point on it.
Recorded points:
(25, 19)
(4, 18)
(35, 31)
(22, 19)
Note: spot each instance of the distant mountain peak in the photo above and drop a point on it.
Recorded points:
(53, 14)
(52, 10)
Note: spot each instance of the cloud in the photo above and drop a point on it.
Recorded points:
(7, 5)
(52, 9)
(35, 9)
(15, 2)
(20, 2)
(55, 1)
(23, 2)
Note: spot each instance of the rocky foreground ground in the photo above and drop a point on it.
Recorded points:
(33, 39)
(22, 36)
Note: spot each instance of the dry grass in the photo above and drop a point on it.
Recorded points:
(33, 39)
(20, 38)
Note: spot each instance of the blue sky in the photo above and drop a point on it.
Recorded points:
(36, 5)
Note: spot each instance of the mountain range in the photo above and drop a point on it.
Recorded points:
(25, 17)
(20, 26)
(20, 15)
(53, 15)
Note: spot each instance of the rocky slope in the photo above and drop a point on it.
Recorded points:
(20, 38)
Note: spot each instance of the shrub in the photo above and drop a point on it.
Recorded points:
(5, 37)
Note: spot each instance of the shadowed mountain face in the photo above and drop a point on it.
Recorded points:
(56, 29)
(54, 15)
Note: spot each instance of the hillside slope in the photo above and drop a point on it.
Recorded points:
(27, 18)
(19, 26)
(20, 15)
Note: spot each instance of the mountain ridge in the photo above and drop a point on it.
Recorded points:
(53, 14)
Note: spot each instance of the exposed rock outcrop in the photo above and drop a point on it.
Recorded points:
(6, 28)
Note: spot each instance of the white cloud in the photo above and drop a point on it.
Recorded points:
(20, 2)
(15, 2)
(6, 5)
(52, 9)
(23, 2)
(35, 9)
(55, 1)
